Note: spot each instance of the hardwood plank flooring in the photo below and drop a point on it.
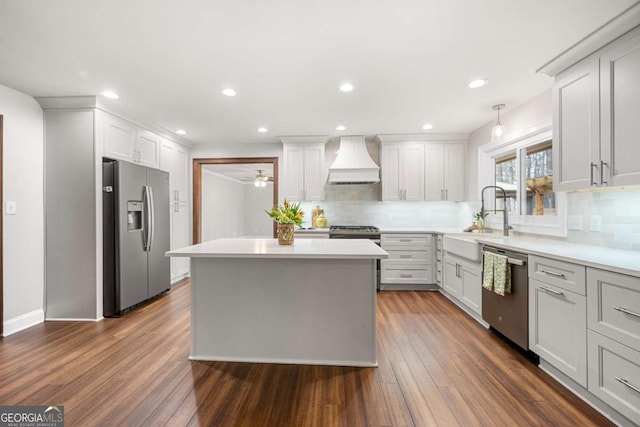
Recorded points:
(438, 367)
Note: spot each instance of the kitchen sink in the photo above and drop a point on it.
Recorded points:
(464, 246)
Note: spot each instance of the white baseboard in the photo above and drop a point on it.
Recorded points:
(69, 319)
(180, 278)
(21, 322)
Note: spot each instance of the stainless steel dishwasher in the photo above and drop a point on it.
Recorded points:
(509, 314)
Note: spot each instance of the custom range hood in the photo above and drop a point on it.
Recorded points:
(353, 165)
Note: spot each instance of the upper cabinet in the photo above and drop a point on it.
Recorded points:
(125, 141)
(304, 170)
(402, 172)
(595, 104)
(423, 167)
(444, 171)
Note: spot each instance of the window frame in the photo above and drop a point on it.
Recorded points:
(518, 142)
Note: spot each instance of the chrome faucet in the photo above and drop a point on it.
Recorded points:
(505, 220)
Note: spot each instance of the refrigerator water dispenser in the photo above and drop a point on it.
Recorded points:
(134, 216)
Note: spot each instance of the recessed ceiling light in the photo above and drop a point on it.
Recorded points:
(346, 87)
(427, 126)
(109, 94)
(229, 92)
(262, 129)
(181, 132)
(341, 127)
(475, 84)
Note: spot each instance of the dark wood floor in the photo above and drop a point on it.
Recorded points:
(437, 368)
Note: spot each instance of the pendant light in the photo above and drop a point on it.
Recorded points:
(499, 130)
(261, 180)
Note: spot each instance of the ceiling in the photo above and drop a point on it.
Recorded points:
(408, 60)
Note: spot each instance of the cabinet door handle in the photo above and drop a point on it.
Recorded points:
(628, 384)
(406, 275)
(624, 310)
(441, 194)
(551, 291)
(406, 256)
(602, 181)
(553, 273)
(405, 240)
(446, 194)
(176, 206)
(592, 182)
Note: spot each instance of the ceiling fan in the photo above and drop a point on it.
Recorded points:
(261, 180)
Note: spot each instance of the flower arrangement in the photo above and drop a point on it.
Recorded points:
(287, 213)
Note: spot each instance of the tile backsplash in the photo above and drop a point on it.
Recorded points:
(392, 214)
(619, 217)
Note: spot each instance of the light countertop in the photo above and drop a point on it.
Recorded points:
(409, 230)
(616, 260)
(269, 248)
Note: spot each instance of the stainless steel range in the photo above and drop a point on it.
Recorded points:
(355, 232)
(358, 232)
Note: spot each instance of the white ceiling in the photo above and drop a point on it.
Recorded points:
(409, 60)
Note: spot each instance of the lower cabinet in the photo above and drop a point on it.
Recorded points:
(410, 259)
(613, 313)
(463, 280)
(614, 375)
(558, 328)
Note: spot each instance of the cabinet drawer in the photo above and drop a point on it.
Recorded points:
(613, 306)
(406, 239)
(402, 273)
(558, 328)
(565, 275)
(614, 375)
(409, 255)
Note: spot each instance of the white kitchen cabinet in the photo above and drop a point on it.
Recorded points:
(620, 103)
(402, 172)
(439, 264)
(614, 375)
(174, 158)
(148, 148)
(462, 279)
(410, 259)
(595, 104)
(304, 172)
(613, 306)
(558, 328)
(125, 141)
(119, 138)
(444, 171)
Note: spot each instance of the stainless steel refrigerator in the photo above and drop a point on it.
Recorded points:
(136, 236)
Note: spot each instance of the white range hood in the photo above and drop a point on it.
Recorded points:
(353, 165)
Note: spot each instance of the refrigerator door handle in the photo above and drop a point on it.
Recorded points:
(146, 203)
(153, 217)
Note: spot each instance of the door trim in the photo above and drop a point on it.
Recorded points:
(197, 185)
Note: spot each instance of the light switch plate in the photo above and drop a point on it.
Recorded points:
(574, 222)
(11, 208)
(596, 223)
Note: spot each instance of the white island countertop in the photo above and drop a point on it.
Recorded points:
(269, 248)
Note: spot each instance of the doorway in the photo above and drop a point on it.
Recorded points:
(253, 167)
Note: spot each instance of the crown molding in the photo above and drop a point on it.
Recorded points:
(423, 137)
(304, 139)
(601, 36)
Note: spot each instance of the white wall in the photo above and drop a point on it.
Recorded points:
(23, 234)
(256, 201)
(222, 207)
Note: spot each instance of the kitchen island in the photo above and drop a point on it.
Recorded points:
(253, 300)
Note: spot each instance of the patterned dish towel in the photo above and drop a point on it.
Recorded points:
(496, 275)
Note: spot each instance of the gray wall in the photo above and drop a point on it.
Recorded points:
(23, 233)
(70, 215)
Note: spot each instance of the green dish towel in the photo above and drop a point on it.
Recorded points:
(496, 276)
